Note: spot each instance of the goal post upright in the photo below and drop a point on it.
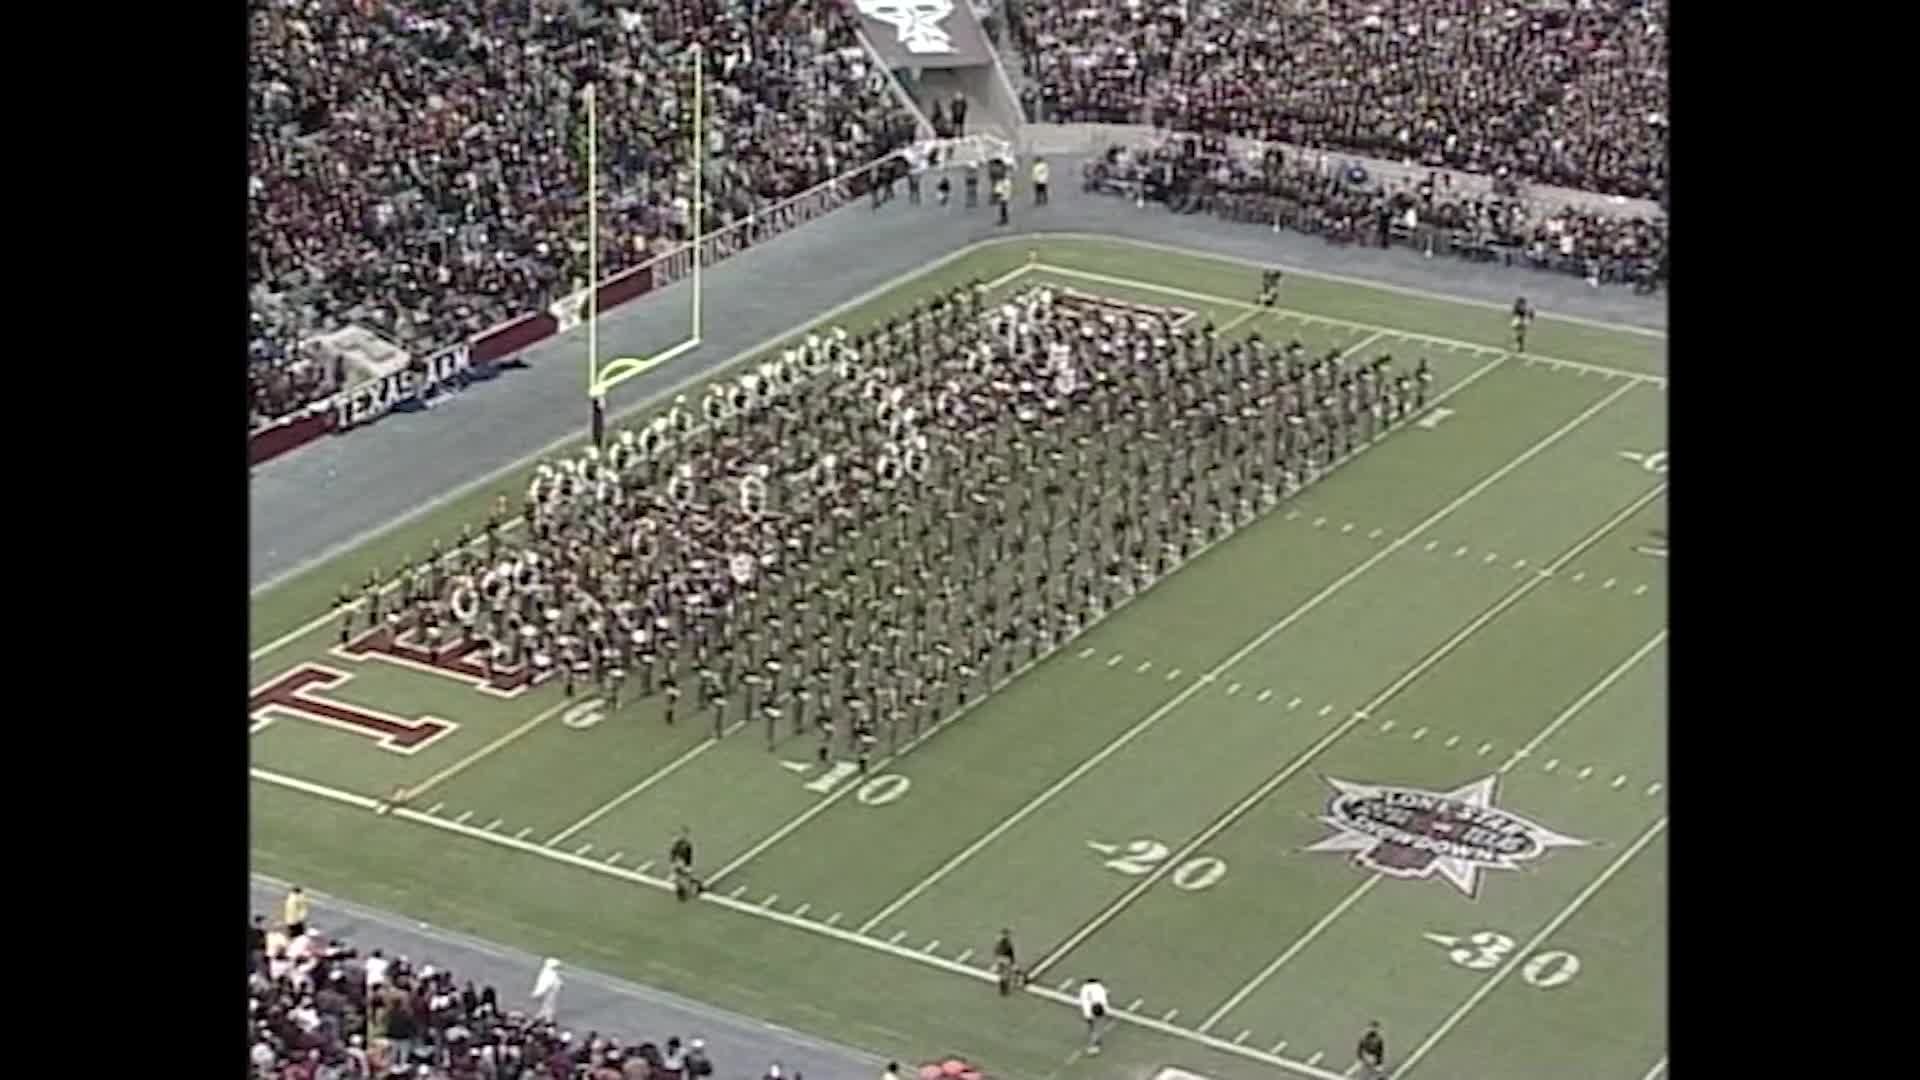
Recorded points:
(603, 378)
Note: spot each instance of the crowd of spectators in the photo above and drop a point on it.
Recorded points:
(416, 166)
(1571, 93)
(318, 1010)
(1321, 195)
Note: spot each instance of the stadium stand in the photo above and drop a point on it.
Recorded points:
(318, 1010)
(414, 169)
(1565, 92)
(1343, 202)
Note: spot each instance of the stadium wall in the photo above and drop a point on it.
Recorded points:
(482, 355)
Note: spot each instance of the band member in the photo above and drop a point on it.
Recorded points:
(685, 885)
(1005, 967)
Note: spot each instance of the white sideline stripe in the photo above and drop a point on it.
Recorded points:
(1273, 782)
(821, 807)
(1586, 699)
(1238, 655)
(823, 929)
(1364, 283)
(1209, 298)
(1658, 1068)
(1314, 931)
(658, 775)
(474, 758)
(554, 447)
(1566, 913)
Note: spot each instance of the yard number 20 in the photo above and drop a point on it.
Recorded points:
(1142, 856)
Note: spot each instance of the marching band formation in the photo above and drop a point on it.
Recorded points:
(870, 529)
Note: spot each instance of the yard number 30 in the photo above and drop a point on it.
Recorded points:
(1487, 949)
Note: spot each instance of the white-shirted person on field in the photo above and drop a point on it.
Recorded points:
(1093, 1006)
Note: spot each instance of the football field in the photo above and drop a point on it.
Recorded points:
(1395, 751)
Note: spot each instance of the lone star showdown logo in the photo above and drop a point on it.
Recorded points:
(916, 21)
(1410, 833)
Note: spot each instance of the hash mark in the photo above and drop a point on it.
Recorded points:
(1639, 590)
(1172, 675)
(1233, 689)
(1242, 1037)
(645, 866)
(1264, 695)
(964, 956)
(1386, 725)
(1453, 741)
(932, 947)
(769, 901)
(1086, 652)
(1484, 747)
(1065, 985)
(737, 890)
(1114, 660)
(435, 808)
(495, 823)
(1460, 551)
(1315, 1059)
(1431, 544)
(1620, 781)
(1294, 704)
(833, 918)
(462, 819)
(1144, 665)
(1291, 514)
(615, 857)
(522, 834)
(1420, 733)
(897, 935)
(1653, 789)
(1491, 557)
(1610, 583)
(1325, 709)
(1137, 1002)
(1519, 564)
(1319, 521)
(801, 911)
(1171, 1013)
(1279, 1046)
(1347, 528)
(1586, 772)
(1375, 534)
(583, 849)
(1552, 764)
(1579, 577)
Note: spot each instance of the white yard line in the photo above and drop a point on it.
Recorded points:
(823, 929)
(1659, 1069)
(1239, 810)
(701, 375)
(821, 807)
(655, 777)
(1579, 901)
(1293, 950)
(1410, 335)
(1240, 654)
(464, 763)
(1364, 283)
(1585, 699)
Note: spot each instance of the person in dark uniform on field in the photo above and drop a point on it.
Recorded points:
(1372, 1053)
(944, 188)
(1005, 967)
(680, 855)
(1522, 317)
(973, 185)
(1269, 287)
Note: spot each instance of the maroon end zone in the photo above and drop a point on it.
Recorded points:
(295, 693)
(462, 660)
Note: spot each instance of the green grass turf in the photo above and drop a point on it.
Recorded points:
(1409, 584)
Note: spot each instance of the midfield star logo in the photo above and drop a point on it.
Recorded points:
(1409, 833)
(916, 21)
